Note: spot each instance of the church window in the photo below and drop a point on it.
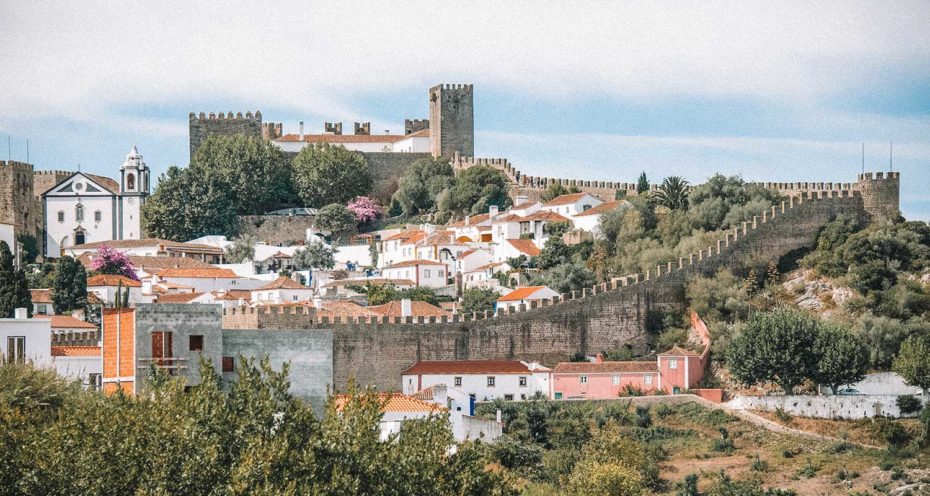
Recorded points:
(130, 181)
(61, 216)
(79, 213)
(79, 238)
(98, 216)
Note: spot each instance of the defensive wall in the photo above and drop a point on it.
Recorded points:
(202, 125)
(604, 317)
(276, 229)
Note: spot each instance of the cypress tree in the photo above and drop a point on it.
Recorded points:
(7, 281)
(69, 291)
(642, 186)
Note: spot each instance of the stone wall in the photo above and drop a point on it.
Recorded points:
(17, 199)
(276, 229)
(452, 120)
(829, 407)
(386, 169)
(202, 126)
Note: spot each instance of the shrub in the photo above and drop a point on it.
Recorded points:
(688, 486)
(783, 416)
(724, 444)
(893, 433)
(759, 465)
(909, 404)
(809, 470)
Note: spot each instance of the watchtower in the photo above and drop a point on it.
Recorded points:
(203, 126)
(452, 120)
(880, 194)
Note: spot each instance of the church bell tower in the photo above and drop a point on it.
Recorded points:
(134, 189)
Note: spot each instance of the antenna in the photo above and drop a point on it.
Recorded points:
(863, 157)
(9, 149)
(891, 155)
(27, 150)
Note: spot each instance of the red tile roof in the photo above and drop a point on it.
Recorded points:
(178, 297)
(283, 282)
(417, 309)
(487, 266)
(521, 293)
(66, 322)
(409, 236)
(109, 184)
(374, 281)
(443, 367)
(525, 246)
(602, 208)
(151, 242)
(112, 280)
(605, 367)
(437, 238)
(413, 263)
(545, 215)
(343, 308)
(148, 263)
(234, 294)
(524, 205)
(679, 351)
(344, 138)
(565, 199)
(472, 221)
(40, 295)
(396, 403)
(199, 273)
(75, 351)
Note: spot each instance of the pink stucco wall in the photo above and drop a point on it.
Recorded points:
(599, 386)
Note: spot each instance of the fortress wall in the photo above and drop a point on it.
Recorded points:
(276, 229)
(17, 200)
(202, 126)
(386, 168)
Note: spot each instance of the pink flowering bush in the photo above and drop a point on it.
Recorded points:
(111, 261)
(365, 209)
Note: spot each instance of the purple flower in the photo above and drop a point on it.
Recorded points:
(365, 209)
(111, 261)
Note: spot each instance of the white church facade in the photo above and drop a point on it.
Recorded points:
(86, 208)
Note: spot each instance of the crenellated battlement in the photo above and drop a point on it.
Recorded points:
(203, 125)
(272, 130)
(224, 116)
(414, 125)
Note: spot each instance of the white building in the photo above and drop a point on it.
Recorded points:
(85, 208)
(400, 247)
(590, 219)
(484, 380)
(23, 339)
(416, 142)
(513, 248)
(208, 280)
(281, 290)
(524, 295)
(426, 273)
(105, 286)
(153, 247)
(572, 204)
(483, 276)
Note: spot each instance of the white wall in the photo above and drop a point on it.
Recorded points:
(207, 284)
(831, 407)
(417, 144)
(504, 384)
(881, 383)
(272, 296)
(357, 254)
(78, 367)
(8, 234)
(61, 234)
(38, 334)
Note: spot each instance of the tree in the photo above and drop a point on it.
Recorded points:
(776, 346)
(315, 255)
(478, 300)
(111, 261)
(556, 190)
(421, 184)
(335, 218)
(366, 210)
(642, 184)
(189, 204)
(475, 190)
(14, 290)
(328, 174)
(30, 247)
(913, 362)
(69, 290)
(566, 278)
(242, 250)
(255, 172)
(554, 253)
(673, 193)
(842, 357)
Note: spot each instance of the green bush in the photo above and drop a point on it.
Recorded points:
(909, 404)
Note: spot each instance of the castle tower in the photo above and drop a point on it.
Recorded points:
(880, 194)
(203, 126)
(134, 189)
(17, 203)
(452, 120)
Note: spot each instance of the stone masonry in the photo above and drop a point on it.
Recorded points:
(202, 126)
(452, 120)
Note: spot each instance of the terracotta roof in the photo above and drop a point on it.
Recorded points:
(282, 282)
(487, 266)
(545, 215)
(214, 272)
(75, 351)
(178, 297)
(112, 280)
(423, 133)
(234, 294)
(472, 221)
(149, 242)
(467, 253)
(93, 299)
(467, 367)
(343, 138)
(40, 295)
(407, 236)
(280, 255)
(417, 309)
(679, 351)
(110, 184)
(374, 281)
(565, 199)
(343, 308)
(525, 246)
(66, 322)
(437, 238)
(413, 263)
(521, 293)
(424, 394)
(605, 367)
(602, 208)
(396, 403)
(508, 218)
(147, 263)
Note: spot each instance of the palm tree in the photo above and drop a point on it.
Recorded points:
(673, 193)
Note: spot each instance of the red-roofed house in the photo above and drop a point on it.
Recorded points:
(281, 290)
(399, 247)
(572, 204)
(589, 220)
(524, 295)
(105, 287)
(408, 308)
(427, 273)
(484, 380)
(513, 248)
(205, 280)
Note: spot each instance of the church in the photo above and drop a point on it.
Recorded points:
(85, 208)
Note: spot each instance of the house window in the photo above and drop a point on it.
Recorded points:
(458, 381)
(442, 273)
(508, 397)
(523, 381)
(491, 381)
(61, 216)
(584, 379)
(196, 343)
(41, 309)
(93, 381)
(616, 380)
(426, 273)
(79, 213)
(647, 380)
(98, 216)
(79, 238)
(228, 364)
(558, 396)
(294, 297)
(672, 363)
(16, 349)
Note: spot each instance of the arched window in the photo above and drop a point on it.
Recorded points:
(130, 181)
(79, 238)
(79, 213)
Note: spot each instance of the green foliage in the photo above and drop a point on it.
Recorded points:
(381, 294)
(479, 300)
(69, 291)
(475, 190)
(909, 404)
(776, 346)
(421, 184)
(30, 248)
(255, 172)
(722, 202)
(335, 218)
(566, 277)
(722, 298)
(553, 254)
(913, 362)
(751, 487)
(14, 290)
(314, 256)
(190, 203)
(557, 229)
(326, 174)
(687, 486)
(883, 337)
(672, 193)
(724, 444)
(242, 250)
(41, 276)
(842, 357)
(556, 190)
(642, 184)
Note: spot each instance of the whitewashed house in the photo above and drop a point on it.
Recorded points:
(426, 273)
(524, 295)
(281, 290)
(483, 380)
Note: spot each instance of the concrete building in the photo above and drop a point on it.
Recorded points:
(589, 220)
(207, 280)
(483, 380)
(23, 339)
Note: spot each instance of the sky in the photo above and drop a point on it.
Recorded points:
(774, 91)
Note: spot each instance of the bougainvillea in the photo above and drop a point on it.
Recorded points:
(365, 209)
(111, 261)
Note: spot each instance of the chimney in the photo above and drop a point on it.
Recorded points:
(406, 308)
(599, 358)
(499, 417)
(493, 210)
(147, 287)
(21, 314)
(440, 394)
(467, 220)
(300, 130)
(521, 199)
(317, 303)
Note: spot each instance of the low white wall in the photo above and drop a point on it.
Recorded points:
(479, 428)
(882, 383)
(830, 407)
